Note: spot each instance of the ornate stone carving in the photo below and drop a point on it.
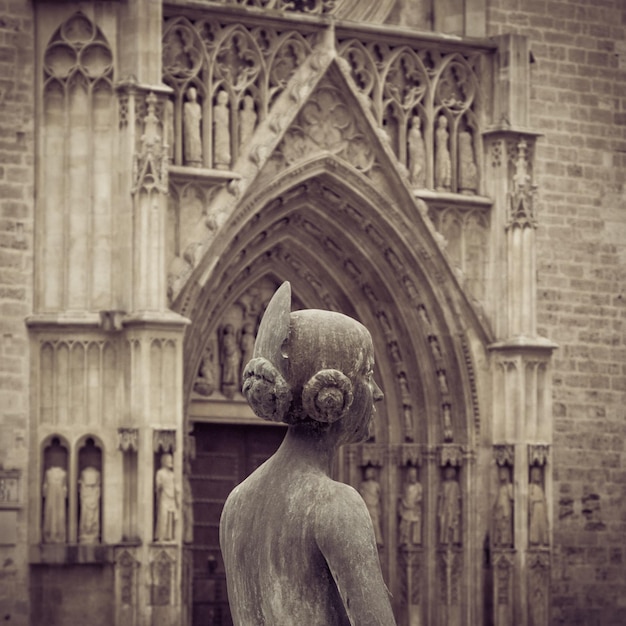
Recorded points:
(538, 454)
(468, 172)
(54, 491)
(538, 588)
(326, 124)
(126, 567)
(192, 129)
(247, 121)
(504, 454)
(410, 510)
(449, 509)
(161, 579)
(164, 441)
(503, 509)
(522, 191)
(538, 528)
(221, 132)
(417, 154)
(10, 489)
(443, 162)
(167, 501)
(370, 491)
(128, 439)
(89, 488)
(150, 164)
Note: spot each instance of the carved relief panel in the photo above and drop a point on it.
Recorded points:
(230, 346)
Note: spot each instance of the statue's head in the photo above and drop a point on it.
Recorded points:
(167, 460)
(312, 368)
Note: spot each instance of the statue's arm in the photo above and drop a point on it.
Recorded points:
(345, 536)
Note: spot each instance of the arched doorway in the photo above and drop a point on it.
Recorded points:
(345, 246)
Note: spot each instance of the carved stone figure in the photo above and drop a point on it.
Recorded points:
(192, 119)
(247, 120)
(370, 492)
(168, 130)
(54, 492)
(537, 510)
(205, 381)
(288, 526)
(468, 172)
(449, 508)
(417, 154)
(89, 490)
(221, 132)
(503, 511)
(410, 511)
(231, 359)
(166, 500)
(443, 164)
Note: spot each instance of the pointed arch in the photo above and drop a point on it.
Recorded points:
(323, 226)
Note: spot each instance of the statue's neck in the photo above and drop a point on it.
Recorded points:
(304, 448)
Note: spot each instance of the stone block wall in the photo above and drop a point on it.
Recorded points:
(17, 155)
(578, 102)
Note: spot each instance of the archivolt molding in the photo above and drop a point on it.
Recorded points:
(305, 234)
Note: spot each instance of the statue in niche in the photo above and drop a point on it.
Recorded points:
(370, 492)
(89, 490)
(537, 509)
(221, 132)
(443, 381)
(166, 500)
(407, 407)
(192, 119)
(503, 510)
(443, 164)
(410, 511)
(468, 172)
(205, 381)
(449, 508)
(54, 492)
(247, 121)
(168, 132)
(247, 342)
(417, 154)
(312, 370)
(231, 359)
(448, 431)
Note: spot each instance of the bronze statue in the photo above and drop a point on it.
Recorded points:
(299, 547)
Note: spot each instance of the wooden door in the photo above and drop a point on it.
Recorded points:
(225, 455)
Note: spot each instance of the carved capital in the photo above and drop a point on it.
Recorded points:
(128, 439)
(164, 441)
(538, 454)
(372, 454)
(504, 454)
(409, 454)
(450, 454)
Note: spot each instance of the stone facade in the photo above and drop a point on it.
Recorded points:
(17, 177)
(472, 241)
(578, 102)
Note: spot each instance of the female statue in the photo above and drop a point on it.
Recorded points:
(299, 547)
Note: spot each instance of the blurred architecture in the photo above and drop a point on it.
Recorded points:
(450, 172)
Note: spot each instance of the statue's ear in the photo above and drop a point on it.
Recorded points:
(273, 334)
(266, 390)
(327, 396)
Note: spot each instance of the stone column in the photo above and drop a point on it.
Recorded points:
(520, 359)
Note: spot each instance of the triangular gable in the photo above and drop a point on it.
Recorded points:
(320, 113)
